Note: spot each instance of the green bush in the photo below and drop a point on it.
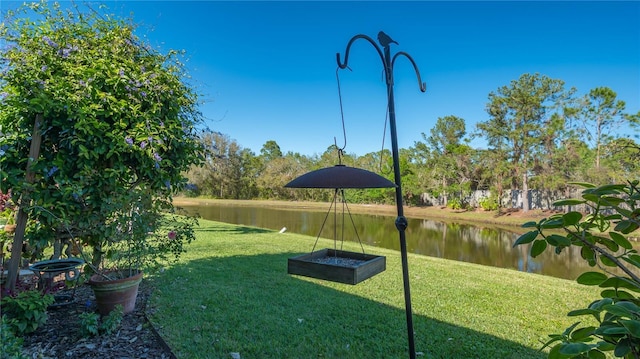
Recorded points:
(455, 203)
(602, 239)
(123, 111)
(10, 345)
(489, 203)
(91, 325)
(27, 310)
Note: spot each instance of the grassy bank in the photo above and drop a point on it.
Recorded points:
(231, 293)
(511, 220)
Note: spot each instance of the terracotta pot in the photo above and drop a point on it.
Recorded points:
(110, 293)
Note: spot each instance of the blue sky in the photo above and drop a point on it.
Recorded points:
(267, 69)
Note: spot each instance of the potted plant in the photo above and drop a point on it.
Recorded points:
(136, 239)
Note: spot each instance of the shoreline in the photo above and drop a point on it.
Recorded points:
(510, 219)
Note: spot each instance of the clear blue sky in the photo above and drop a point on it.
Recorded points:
(267, 69)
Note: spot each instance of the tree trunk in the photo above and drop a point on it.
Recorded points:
(21, 221)
(525, 192)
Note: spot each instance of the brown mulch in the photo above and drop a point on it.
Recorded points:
(60, 337)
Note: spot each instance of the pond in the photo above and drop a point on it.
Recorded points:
(485, 245)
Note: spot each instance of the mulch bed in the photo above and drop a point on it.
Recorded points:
(60, 337)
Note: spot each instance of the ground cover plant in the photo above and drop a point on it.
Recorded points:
(230, 293)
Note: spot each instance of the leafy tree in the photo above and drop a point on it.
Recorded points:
(495, 170)
(381, 162)
(116, 118)
(270, 150)
(602, 113)
(621, 155)
(520, 113)
(228, 170)
(449, 157)
(278, 173)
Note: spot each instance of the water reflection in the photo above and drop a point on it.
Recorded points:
(483, 245)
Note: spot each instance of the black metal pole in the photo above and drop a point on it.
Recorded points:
(401, 220)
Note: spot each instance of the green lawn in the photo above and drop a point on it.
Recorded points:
(231, 293)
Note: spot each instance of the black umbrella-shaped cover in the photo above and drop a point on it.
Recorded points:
(340, 176)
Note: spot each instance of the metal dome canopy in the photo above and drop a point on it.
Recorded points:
(340, 176)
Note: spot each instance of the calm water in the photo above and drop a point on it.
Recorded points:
(475, 244)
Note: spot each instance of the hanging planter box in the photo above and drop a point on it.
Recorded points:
(337, 266)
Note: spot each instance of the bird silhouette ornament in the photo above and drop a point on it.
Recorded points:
(385, 40)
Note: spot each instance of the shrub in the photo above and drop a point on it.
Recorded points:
(602, 239)
(27, 310)
(489, 203)
(121, 110)
(455, 203)
(10, 345)
(91, 324)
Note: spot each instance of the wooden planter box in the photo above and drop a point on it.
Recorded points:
(337, 266)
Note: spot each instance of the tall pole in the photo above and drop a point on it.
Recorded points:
(401, 220)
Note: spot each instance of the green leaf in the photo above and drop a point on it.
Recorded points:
(552, 223)
(526, 238)
(596, 354)
(571, 218)
(591, 278)
(611, 330)
(622, 348)
(605, 346)
(568, 202)
(599, 304)
(583, 184)
(633, 326)
(616, 294)
(609, 189)
(619, 311)
(633, 259)
(608, 262)
(611, 201)
(530, 224)
(590, 197)
(554, 353)
(582, 333)
(570, 329)
(587, 311)
(611, 245)
(574, 348)
(612, 217)
(538, 247)
(558, 240)
(632, 307)
(620, 282)
(620, 240)
(589, 255)
(626, 227)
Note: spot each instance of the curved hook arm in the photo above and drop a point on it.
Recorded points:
(346, 52)
(422, 85)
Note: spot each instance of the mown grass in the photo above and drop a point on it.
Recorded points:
(231, 293)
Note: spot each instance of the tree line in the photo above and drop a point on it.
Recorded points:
(539, 135)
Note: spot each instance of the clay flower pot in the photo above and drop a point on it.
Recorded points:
(110, 293)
